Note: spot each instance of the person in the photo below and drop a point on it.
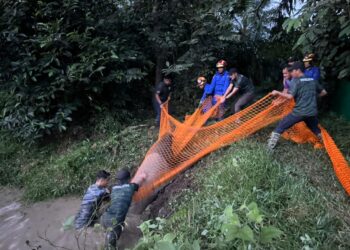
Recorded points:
(219, 85)
(304, 91)
(311, 70)
(162, 94)
(287, 79)
(92, 200)
(241, 86)
(207, 90)
(291, 60)
(121, 196)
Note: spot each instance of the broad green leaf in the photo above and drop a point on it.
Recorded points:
(246, 234)
(343, 73)
(169, 237)
(345, 32)
(230, 231)
(164, 245)
(195, 245)
(269, 233)
(68, 223)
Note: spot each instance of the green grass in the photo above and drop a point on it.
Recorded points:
(295, 189)
(64, 167)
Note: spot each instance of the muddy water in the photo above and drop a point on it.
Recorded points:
(39, 225)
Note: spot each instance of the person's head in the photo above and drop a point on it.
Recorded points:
(102, 178)
(308, 60)
(123, 176)
(291, 60)
(297, 69)
(286, 73)
(233, 73)
(201, 81)
(167, 80)
(221, 65)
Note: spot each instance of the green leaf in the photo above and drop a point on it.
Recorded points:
(300, 41)
(269, 233)
(246, 234)
(195, 245)
(164, 245)
(343, 73)
(169, 237)
(68, 223)
(230, 231)
(345, 32)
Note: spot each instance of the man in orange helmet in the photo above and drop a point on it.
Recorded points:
(219, 85)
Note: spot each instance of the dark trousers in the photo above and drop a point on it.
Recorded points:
(157, 109)
(290, 120)
(114, 230)
(243, 101)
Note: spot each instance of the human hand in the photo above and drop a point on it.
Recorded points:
(274, 92)
(222, 99)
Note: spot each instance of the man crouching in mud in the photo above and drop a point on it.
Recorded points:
(93, 197)
(121, 196)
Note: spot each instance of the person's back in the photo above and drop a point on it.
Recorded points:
(244, 84)
(121, 197)
(91, 201)
(113, 218)
(305, 91)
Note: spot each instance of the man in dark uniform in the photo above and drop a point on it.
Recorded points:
(162, 94)
(121, 196)
(304, 90)
(242, 86)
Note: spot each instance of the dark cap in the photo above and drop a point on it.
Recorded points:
(232, 71)
(102, 174)
(297, 65)
(123, 174)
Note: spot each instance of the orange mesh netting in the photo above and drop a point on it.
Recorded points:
(181, 144)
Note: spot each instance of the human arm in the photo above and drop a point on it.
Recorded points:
(233, 92)
(320, 90)
(140, 178)
(283, 94)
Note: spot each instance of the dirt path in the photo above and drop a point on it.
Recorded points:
(39, 225)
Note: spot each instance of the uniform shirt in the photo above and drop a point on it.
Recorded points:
(121, 197)
(287, 84)
(208, 90)
(220, 83)
(313, 72)
(305, 91)
(163, 91)
(243, 84)
(89, 204)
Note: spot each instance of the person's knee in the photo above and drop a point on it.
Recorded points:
(238, 108)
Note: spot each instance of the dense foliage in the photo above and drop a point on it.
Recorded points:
(64, 60)
(325, 30)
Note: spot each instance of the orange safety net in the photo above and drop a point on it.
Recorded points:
(182, 144)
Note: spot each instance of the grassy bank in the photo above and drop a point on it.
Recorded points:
(68, 167)
(243, 197)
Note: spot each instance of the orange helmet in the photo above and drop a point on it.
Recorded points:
(221, 64)
(309, 57)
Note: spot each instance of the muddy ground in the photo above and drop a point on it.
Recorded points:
(39, 225)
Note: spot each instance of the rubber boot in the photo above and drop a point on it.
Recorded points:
(272, 142)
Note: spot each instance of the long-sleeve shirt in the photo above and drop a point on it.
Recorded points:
(220, 83)
(313, 72)
(89, 204)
